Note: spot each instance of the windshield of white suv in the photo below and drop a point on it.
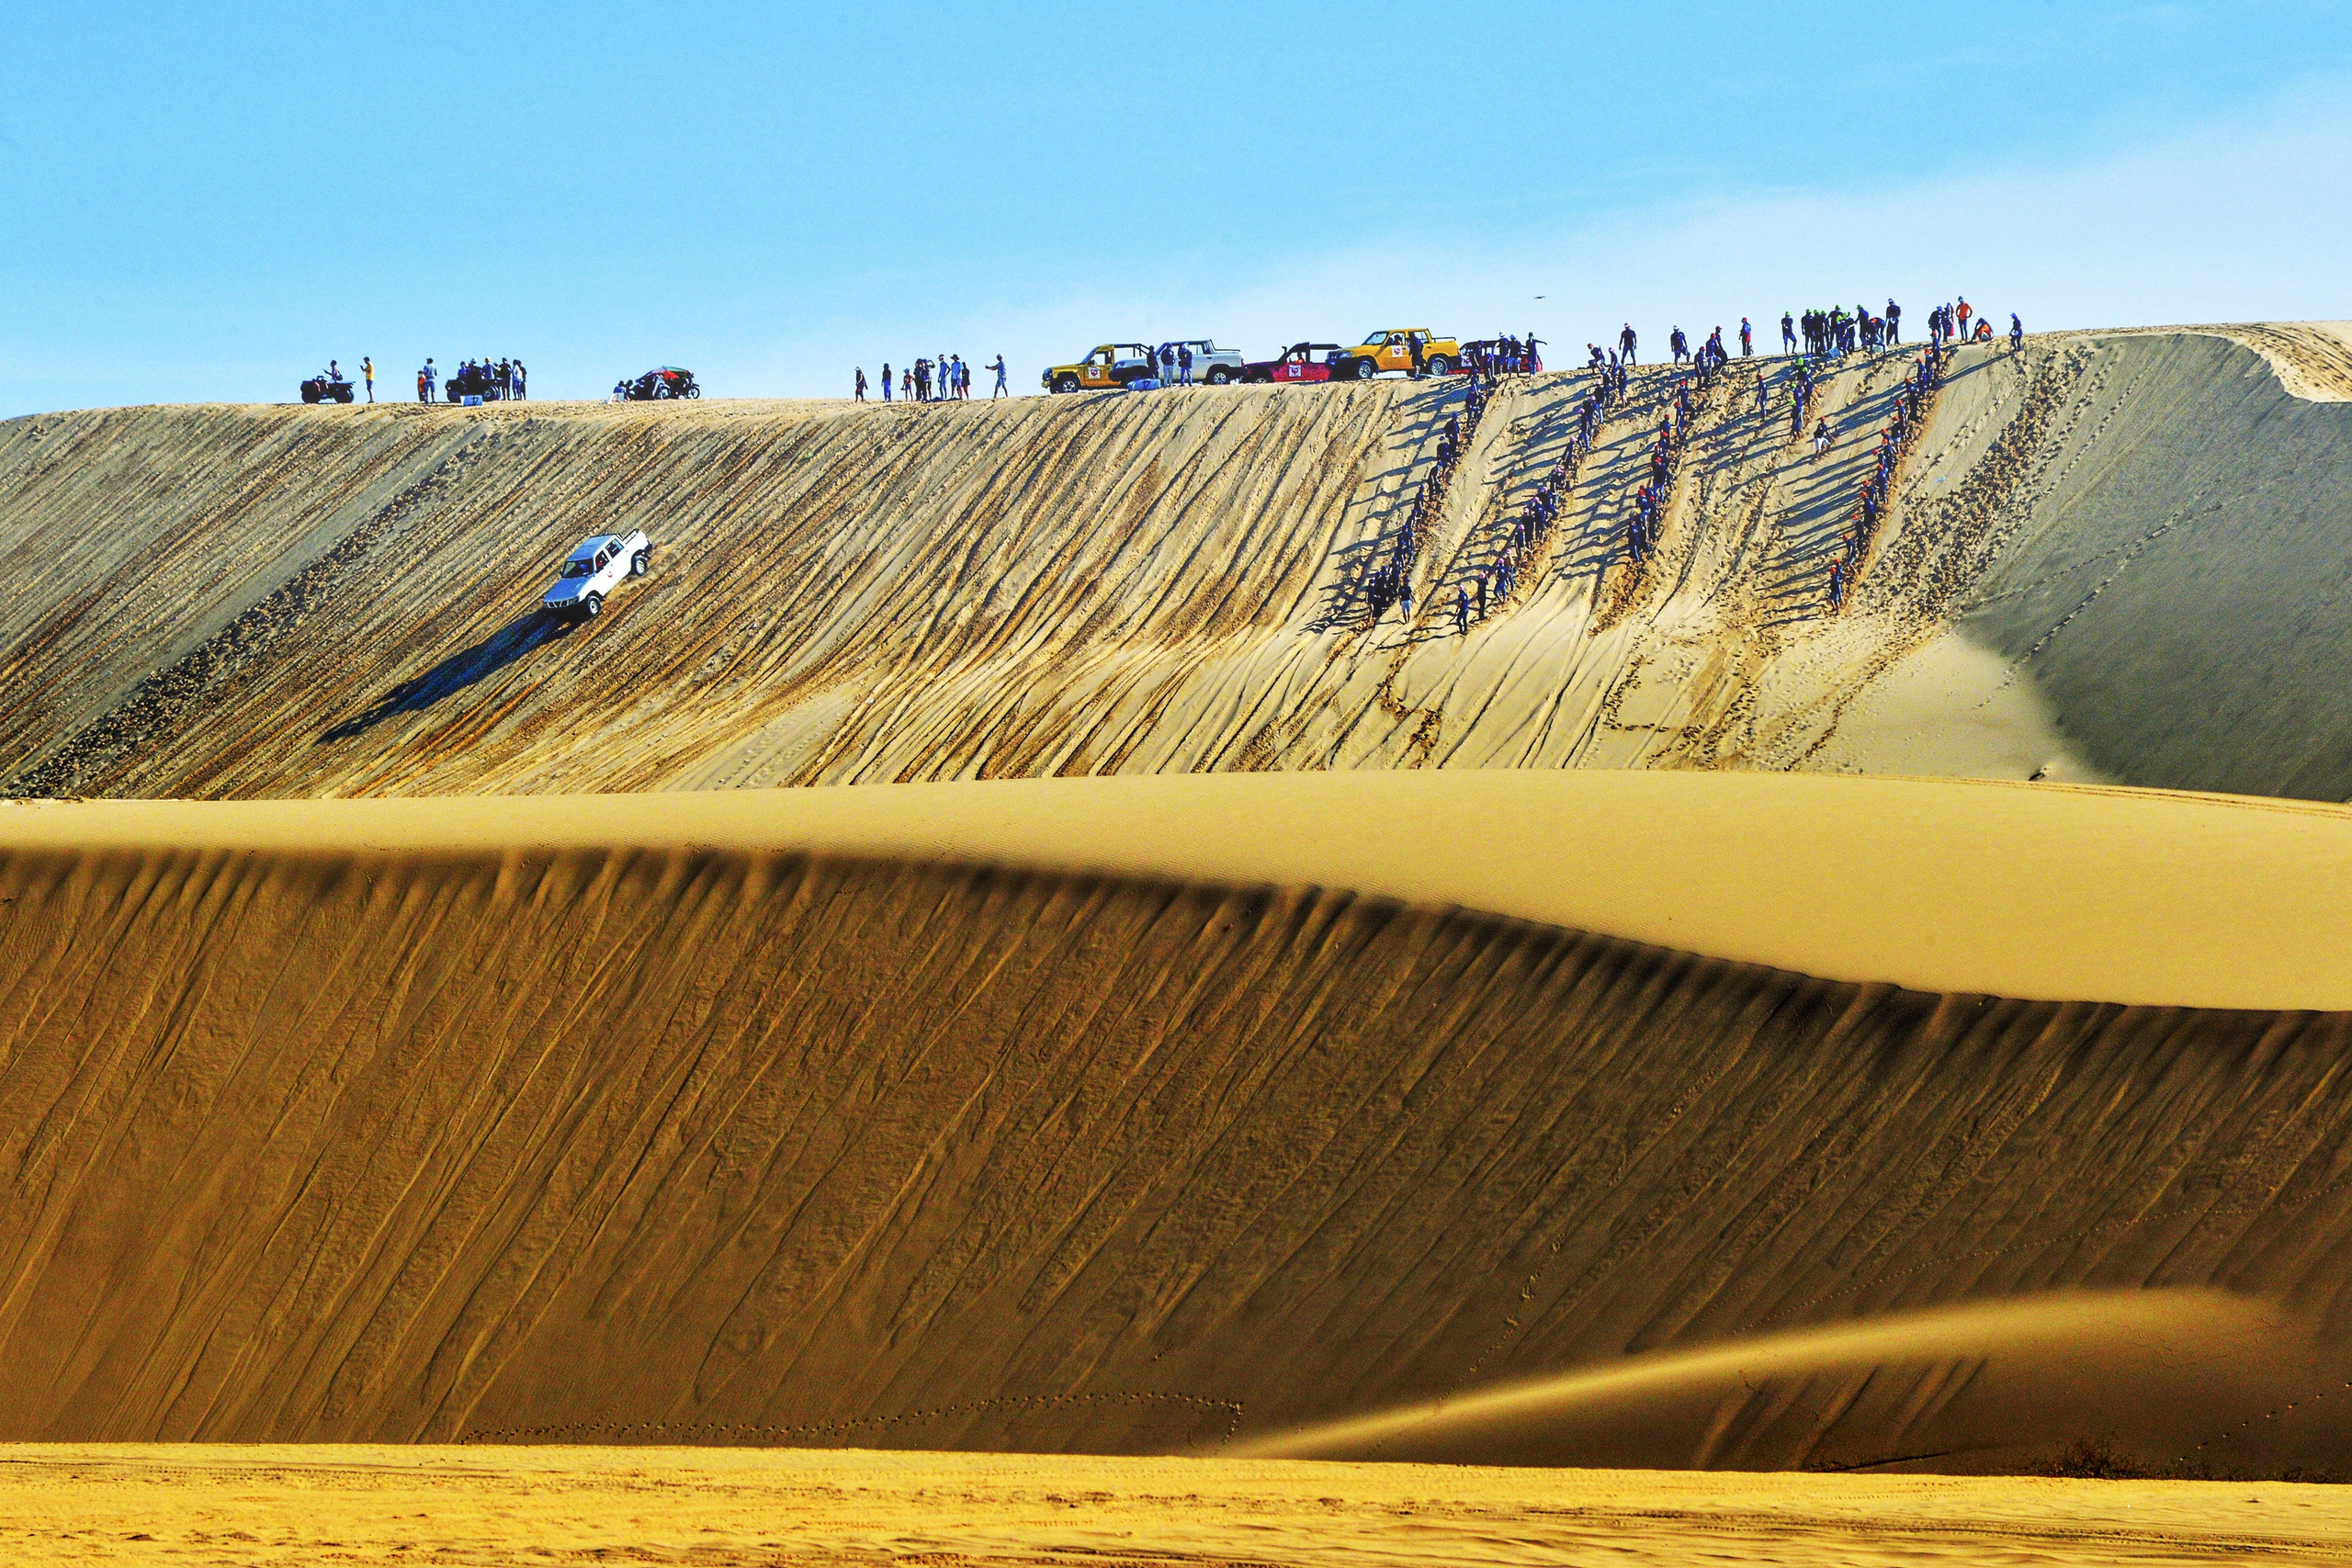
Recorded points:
(579, 568)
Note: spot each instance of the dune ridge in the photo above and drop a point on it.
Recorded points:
(715, 1144)
(239, 603)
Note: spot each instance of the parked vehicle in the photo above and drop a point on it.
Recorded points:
(472, 382)
(1391, 348)
(1299, 362)
(596, 567)
(663, 382)
(324, 388)
(1111, 366)
(1211, 365)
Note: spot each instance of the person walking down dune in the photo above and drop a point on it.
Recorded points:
(1763, 397)
(1461, 610)
(1820, 440)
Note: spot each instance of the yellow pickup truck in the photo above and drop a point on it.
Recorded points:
(1113, 365)
(1391, 348)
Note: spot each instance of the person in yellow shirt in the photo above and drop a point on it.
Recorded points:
(367, 373)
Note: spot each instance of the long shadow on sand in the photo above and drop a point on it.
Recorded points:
(521, 636)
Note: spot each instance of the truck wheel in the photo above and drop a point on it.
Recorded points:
(1363, 369)
(636, 564)
(1437, 365)
(1219, 376)
(592, 606)
(1064, 383)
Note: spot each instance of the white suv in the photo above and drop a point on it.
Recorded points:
(595, 570)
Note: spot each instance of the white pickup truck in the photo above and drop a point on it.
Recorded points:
(594, 569)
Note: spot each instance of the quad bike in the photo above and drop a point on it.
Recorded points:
(322, 389)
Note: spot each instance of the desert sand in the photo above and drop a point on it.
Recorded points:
(291, 1508)
(1269, 1055)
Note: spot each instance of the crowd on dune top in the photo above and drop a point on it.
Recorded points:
(1812, 339)
(944, 379)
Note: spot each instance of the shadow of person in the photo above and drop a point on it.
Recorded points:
(517, 637)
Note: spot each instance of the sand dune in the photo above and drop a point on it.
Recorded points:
(432, 1137)
(282, 602)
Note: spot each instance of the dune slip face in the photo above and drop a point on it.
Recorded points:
(698, 1136)
(2081, 549)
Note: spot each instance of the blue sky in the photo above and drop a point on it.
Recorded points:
(205, 203)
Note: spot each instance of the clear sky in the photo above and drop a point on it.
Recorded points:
(205, 203)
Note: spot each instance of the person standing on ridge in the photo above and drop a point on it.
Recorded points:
(426, 380)
(1961, 313)
(1893, 322)
(1001, 389)
(1746, 339)
(2016, 334)
(1414, 341)
(886, 380)
(1183, 364)
(367, 374)
(859, 395)
(1627, 341)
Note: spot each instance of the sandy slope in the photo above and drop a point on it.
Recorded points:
(665, 1136)
(290, 1508)
(240, 602)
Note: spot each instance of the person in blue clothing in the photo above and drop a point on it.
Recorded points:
(886, 380)
(2016, 334)
(1001, 389)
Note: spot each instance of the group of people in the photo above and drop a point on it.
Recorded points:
(1391, 581)
(944, 379)
(1709, 355)
(1504, 355)
(1648, 519)
(1870, 500)
(1495, 583)
(1833, 333)
(500, 378)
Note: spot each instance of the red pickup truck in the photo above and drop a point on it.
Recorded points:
(1299, 362)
